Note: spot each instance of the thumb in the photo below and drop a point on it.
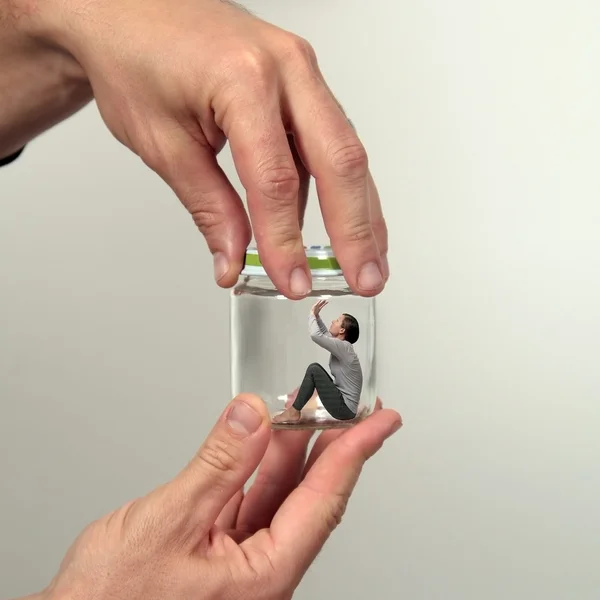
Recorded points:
(229, 455)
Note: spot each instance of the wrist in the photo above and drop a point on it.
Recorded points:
(40, 22)
(40, 29)
(41, 84)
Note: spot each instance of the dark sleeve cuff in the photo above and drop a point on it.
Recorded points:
(9, 159)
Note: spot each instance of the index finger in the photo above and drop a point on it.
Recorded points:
(316, 506)
(336, 158)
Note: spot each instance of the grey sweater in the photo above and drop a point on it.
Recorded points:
(343, 363)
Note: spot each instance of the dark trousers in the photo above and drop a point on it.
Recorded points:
(318, 378)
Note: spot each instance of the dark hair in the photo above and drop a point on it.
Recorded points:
(350, 328)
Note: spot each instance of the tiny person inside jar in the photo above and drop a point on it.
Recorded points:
(339, 394)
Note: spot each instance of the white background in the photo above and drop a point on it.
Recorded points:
(482, 121)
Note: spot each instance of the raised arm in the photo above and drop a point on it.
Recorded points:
(318, 322)
(321, 336)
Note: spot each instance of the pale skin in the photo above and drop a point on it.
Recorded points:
(201, 537)
(336, 329)
(173, 82)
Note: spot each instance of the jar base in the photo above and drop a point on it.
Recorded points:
(319, 419)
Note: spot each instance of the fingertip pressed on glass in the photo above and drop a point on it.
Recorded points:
(312, 360)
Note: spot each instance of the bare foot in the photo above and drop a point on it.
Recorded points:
(289, 415)
(291, 398)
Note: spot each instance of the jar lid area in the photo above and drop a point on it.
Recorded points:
(321, 261)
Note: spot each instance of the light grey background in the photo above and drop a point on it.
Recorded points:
(482, 120)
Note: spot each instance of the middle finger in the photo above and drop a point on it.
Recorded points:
(279, 473)
(337, 160)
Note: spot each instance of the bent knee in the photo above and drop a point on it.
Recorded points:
(314, 367)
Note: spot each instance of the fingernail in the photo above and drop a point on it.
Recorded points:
(220, 264)
(370, 277)
(244, 418)
(299, 282)
(386, 266)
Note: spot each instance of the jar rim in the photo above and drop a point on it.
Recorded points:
(321, 262)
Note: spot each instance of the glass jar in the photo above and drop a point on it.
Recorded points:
(302, 366)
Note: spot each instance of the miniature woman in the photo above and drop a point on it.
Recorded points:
(339, 394)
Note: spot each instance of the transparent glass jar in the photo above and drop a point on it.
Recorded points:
(308, 373)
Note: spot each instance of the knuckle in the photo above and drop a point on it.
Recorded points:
(218, 456)
(284, 237)
(126, 516)
(136, 525)
(255, 64)
(262, 577)
(206, 221)
(207, 216)
(358, 230)
(151, 148)
(155, 160)
(298, 50)
(348, 159)
(279, 181)
(336, 511)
